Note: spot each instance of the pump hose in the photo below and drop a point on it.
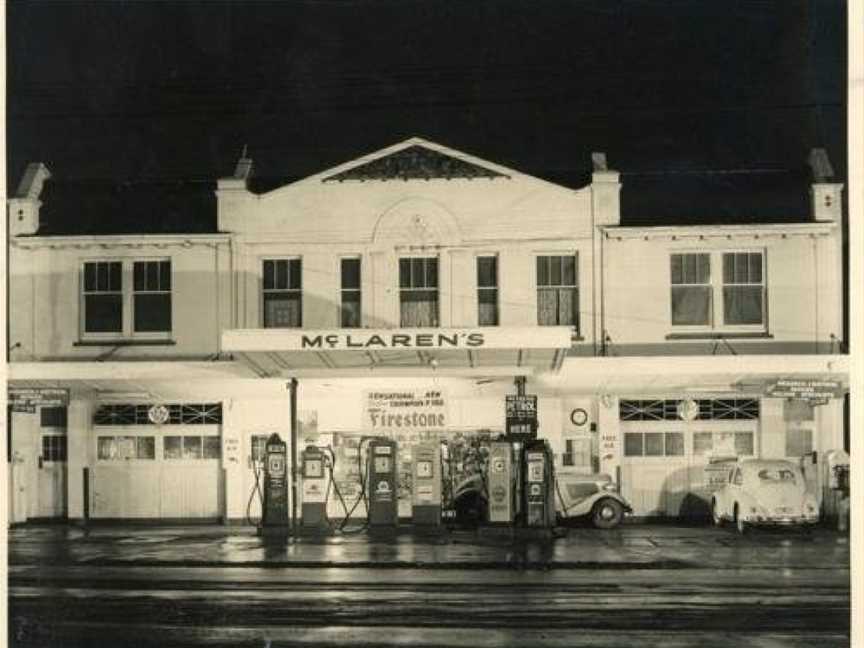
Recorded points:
(257, 487)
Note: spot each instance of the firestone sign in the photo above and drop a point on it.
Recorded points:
(405, 410)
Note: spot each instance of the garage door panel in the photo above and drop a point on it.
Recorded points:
(190, 491)
(125, 492)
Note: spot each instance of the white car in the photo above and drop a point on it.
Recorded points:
(764, 492)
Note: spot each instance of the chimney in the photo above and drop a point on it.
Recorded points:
(826, 196)
(605, 192)
(24, 206)
(232, 195)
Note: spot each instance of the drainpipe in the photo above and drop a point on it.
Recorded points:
(292, 397)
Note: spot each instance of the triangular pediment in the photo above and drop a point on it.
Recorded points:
(415, 162)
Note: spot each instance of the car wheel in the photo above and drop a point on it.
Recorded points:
(607, 514)
(715, 514)
(740, 525)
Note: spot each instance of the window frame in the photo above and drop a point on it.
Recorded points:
(577, 325)
(127, 292)
(496, 289)
(437, 288)
(716, 315)
(263, 291)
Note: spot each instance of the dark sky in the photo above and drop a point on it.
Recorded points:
(147, 90)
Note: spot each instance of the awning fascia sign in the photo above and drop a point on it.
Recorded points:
(27, 400)
(416, 339)
(804, 389)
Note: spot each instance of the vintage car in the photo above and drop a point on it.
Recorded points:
(594, 497)
(764, 492)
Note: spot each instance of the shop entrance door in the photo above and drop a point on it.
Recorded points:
(51, 475)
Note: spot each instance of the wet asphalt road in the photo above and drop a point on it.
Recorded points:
(116, 589)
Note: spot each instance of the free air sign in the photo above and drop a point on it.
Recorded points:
(27, 400)
(806, 389)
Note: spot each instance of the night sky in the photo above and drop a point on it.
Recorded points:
(147, 91)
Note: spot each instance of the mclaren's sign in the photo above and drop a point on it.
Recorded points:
(539, 337)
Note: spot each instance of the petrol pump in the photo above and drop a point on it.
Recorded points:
(501, 480)
(539, 485)
(426, 500)
(274, 515)
(381, 472)
(315, 478)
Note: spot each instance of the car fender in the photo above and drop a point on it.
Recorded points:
(585, 506)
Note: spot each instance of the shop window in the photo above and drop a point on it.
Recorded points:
(126, 298)
(53, 448)
(173, 447)
(577, 453)
(557, 291)
(691, 289)
(258, 447)
(487, 290)
(350, 293)
(192, 447)
(282, 293)
(212, 447)
(125, 448)
(696, 289)
(53, 417)
(653, 444)
(799, 442)
(723, 444)
(418, 292)
(152, 296)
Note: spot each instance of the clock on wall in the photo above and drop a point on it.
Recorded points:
(578, 417)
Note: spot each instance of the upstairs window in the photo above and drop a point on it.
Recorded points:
(718, 290)
(487, 291)
(557, 291)
(129, 298)
(283, 297)
(418, 292)
(350, 289)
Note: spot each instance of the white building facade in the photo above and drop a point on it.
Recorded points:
(653, 350)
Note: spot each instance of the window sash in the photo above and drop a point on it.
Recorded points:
(350, 314)
(283, 309)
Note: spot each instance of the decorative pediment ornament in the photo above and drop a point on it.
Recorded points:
(415, 163)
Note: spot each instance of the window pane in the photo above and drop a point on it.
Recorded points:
(674, 444)
(103, 313)
(351, 273)
(191, 447)
(542, 271)
(568, 307)
(165, 275)
(115, 275)
(54, 448)
(152, 312)
(487, 272)
(173, 447)
(755, 267)
(547, 307)
(146, 447)
(703, 443)
(295, 276)
(212, 447)
(259, 443)
(105, 448)
(281, 275)
(555, 268)
(139, 275)
(350, 309)
(633, 444)
(677, 268)
(89, 276)
(691, 305)
(102, 278)
(742, 304)
(418, 273)
(282, 310)
(152, 275)
(653, 444)
(569, 272)
(487, 307)
(269, 275)
(431, 273)
(418, 308)
(743, 443)
(404, 273)
(728, 268)
(53, 417)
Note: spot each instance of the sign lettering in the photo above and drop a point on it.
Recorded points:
(408, 410)
(808, 390)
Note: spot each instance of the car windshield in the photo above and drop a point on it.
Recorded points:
(777, 475)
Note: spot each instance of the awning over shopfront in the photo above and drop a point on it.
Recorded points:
(453, 351)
